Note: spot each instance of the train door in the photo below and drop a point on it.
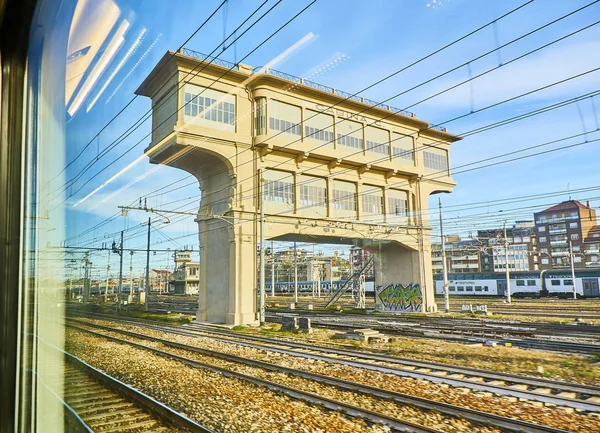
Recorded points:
(501, 287)
(590, 287)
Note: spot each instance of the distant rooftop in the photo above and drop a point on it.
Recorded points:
(302, 81)
(566, 205)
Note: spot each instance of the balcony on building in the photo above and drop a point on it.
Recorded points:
(560, 231)
(465, 266)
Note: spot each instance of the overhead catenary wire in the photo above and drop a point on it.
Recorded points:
(112, 119)
(214, 81)
(385, 78)
(148, 113)
(422, 148)
(437, 94)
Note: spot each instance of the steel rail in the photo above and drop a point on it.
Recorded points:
(474, 416)
(309, 397)
(493, 377)
(132, 394)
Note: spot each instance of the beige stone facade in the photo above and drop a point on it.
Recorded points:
(334, 170)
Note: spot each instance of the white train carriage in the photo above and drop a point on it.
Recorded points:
(560, 283)
(490, 284)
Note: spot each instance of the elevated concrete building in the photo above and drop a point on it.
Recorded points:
(331, 167)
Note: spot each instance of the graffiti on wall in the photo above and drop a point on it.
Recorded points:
(400, 298)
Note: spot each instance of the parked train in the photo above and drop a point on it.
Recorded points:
(525, 284)
(307, 286)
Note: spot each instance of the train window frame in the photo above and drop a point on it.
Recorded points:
(460, 289)
(531, 283)
(568, 282)
(520, 283)
(555, 282)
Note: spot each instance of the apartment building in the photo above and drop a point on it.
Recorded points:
(561, 226)
(522, 244)
(186, 278)
(591, 247)
(461, 256)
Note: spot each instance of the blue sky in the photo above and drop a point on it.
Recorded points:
(376, 38)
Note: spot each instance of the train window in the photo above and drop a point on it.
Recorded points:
(461, 289)
(555, 282)
(520, 282)
(568, 282)
(469, 288)
(485, 288)
(531, 282)
(452, 289)
(478, 288)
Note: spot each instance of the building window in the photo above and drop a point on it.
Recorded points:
(541, 229)
(402, 148)
(285, 118)
(435, 159)
(531, 282)
(344, 195)
(319, 126)
(313, 191)
(350, 134)
(555, 282)
(573, 225)
(372, 200)
(397, 203)
(542, 239)
(575, 236)
(206, 107)
(545, 261)
(209, 109)
(577, 259)
(378, 140)
(278, 187)
(260, 119)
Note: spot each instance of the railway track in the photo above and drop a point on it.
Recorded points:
(96, 402)
(474, 416)
(584, 341)
(577, 396)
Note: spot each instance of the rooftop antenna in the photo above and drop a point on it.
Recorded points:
(569, 190)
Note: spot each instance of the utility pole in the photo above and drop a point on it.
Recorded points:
(272, 270)
(508, 299)
(295, 274)
(573, 268)
(444, 265)
(262, 249)
(147, 288)
(130, 273)
(120, 273)
(330, 274)
(107, 274)
(86, 281)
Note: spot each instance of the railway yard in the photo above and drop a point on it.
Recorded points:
(436, 373)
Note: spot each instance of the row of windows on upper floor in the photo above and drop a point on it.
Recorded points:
(278, 187)
(216, 109)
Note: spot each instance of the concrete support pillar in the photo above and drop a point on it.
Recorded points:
(202, 281)
(398, 269)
